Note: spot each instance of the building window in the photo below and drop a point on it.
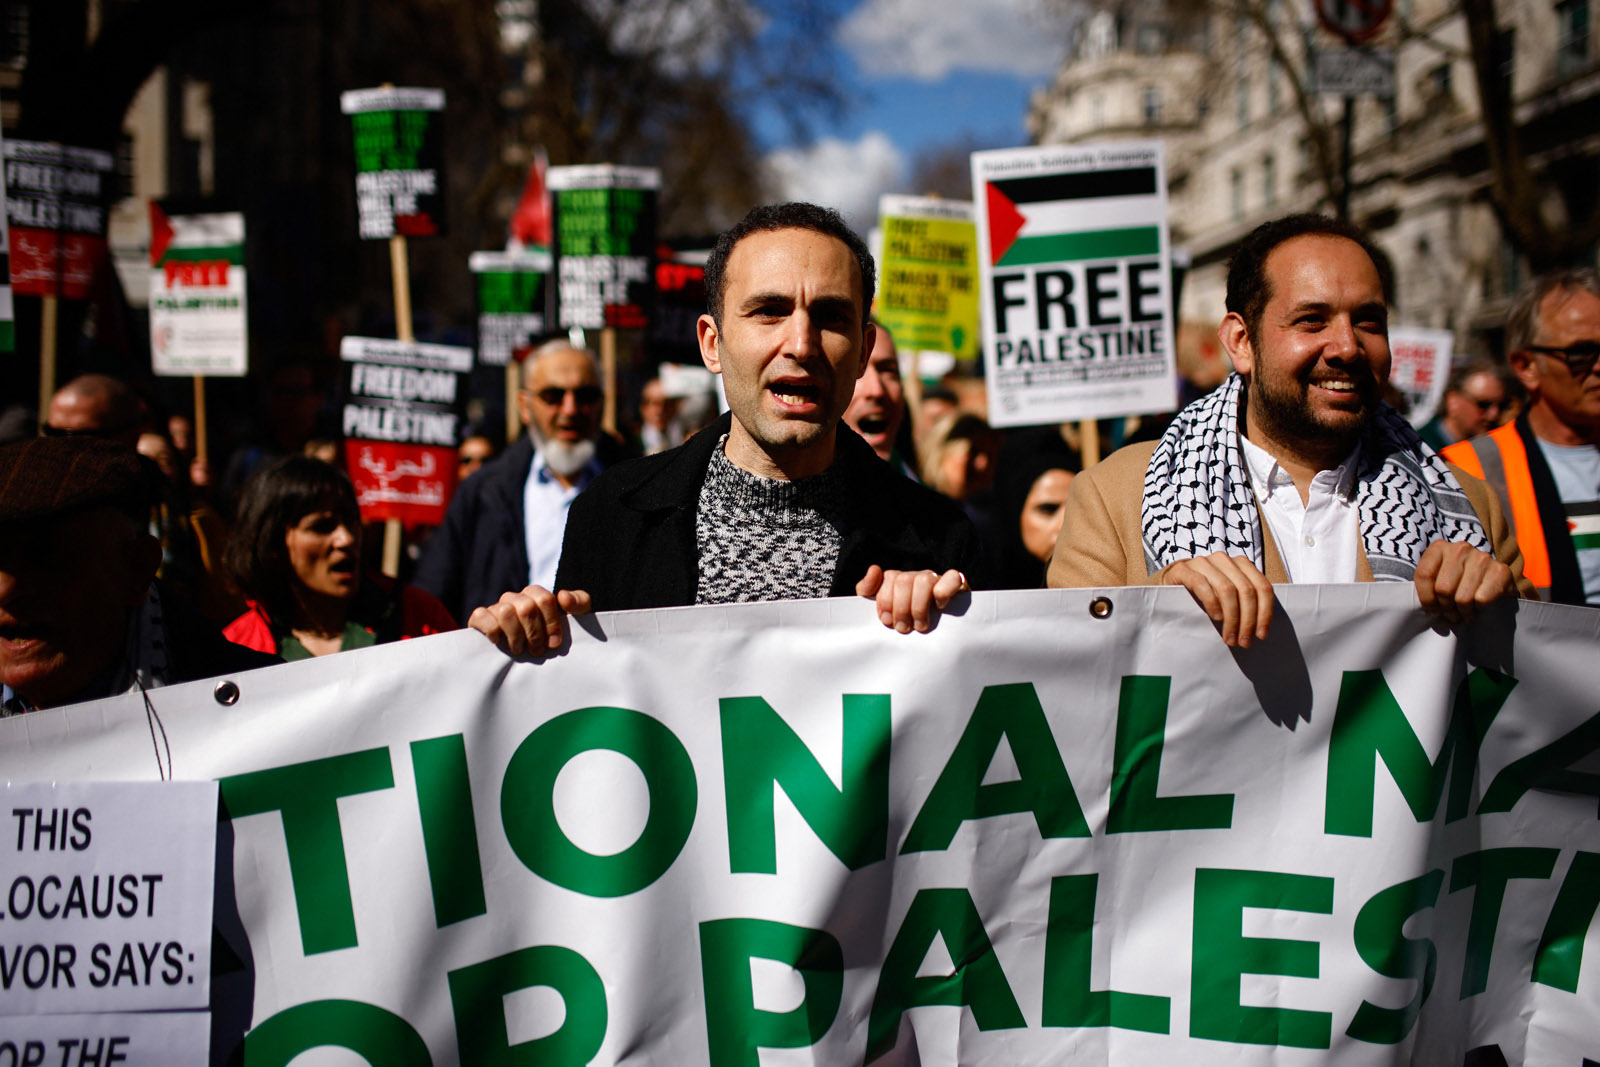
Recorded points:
(1269, 182)
(1152, 106)
(1274, 87)
(1505, 59)
(1150, 39)
(1439, 81)
(1572, 37)
(1236, 191)
(1241, 102)
(122, 184)
(1391, 113)
(1512, 274)
(14, 35)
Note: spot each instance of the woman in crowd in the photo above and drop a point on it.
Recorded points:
(295, 553)
(1036, 467)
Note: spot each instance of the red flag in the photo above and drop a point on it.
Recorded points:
(160, 234)
(531, 223)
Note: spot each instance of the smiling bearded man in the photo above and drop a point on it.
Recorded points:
(777, 500)
(1294, 469)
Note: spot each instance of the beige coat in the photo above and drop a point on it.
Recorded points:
(1101, 544)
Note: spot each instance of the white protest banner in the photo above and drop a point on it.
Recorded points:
(1044, 833)
(1419, 367)
(928, 274)
(1076, 273)
(107, 902)
(198, 318)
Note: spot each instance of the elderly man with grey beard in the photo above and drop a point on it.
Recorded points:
(504, 528)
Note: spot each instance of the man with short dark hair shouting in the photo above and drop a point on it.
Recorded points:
(777, 500)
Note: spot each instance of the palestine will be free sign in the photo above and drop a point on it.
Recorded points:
(605, 230)
(511, 302)
(1075, 268)
(399, 160)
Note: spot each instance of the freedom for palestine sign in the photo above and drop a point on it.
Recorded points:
(1076, 287)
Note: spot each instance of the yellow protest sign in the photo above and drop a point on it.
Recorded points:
(928, 289)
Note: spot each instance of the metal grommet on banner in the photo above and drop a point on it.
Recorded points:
(1100, 607)
(226, 693)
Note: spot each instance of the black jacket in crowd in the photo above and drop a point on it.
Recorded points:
(630, 540)
(481, 550)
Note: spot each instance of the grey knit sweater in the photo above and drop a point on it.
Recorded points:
(766, 539)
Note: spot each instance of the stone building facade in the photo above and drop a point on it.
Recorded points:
(1221, 90)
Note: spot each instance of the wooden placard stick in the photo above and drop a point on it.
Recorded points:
(401, 269)
(200, 451)
(48, 311)
(1089, 433)
(608, 376)
(513, 411)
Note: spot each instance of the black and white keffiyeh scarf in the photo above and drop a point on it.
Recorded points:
(1198, 500)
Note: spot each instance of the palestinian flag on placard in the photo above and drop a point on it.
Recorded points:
(1583, 523)
(8, 324)
(1057, 218)
(195, 237)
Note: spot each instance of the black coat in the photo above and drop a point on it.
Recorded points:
(630, 540)
(481, 550)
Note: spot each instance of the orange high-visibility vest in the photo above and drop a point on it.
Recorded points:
(1500, 457)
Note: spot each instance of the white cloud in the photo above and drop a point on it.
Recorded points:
(840, 174)
(927, 39)
(682, 35)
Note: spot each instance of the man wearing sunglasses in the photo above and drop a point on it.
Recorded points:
(1475, 399)
(1546, 464)
(504, 527)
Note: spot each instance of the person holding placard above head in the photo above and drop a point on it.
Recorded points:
(1293, 469)
(777, 499)
(296, 555)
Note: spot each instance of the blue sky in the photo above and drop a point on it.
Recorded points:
(919, 73)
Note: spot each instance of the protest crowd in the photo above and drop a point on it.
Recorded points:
(395, 493)
(826, 476)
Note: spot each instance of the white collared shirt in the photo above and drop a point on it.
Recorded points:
(1318, 538)
(545, 502)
